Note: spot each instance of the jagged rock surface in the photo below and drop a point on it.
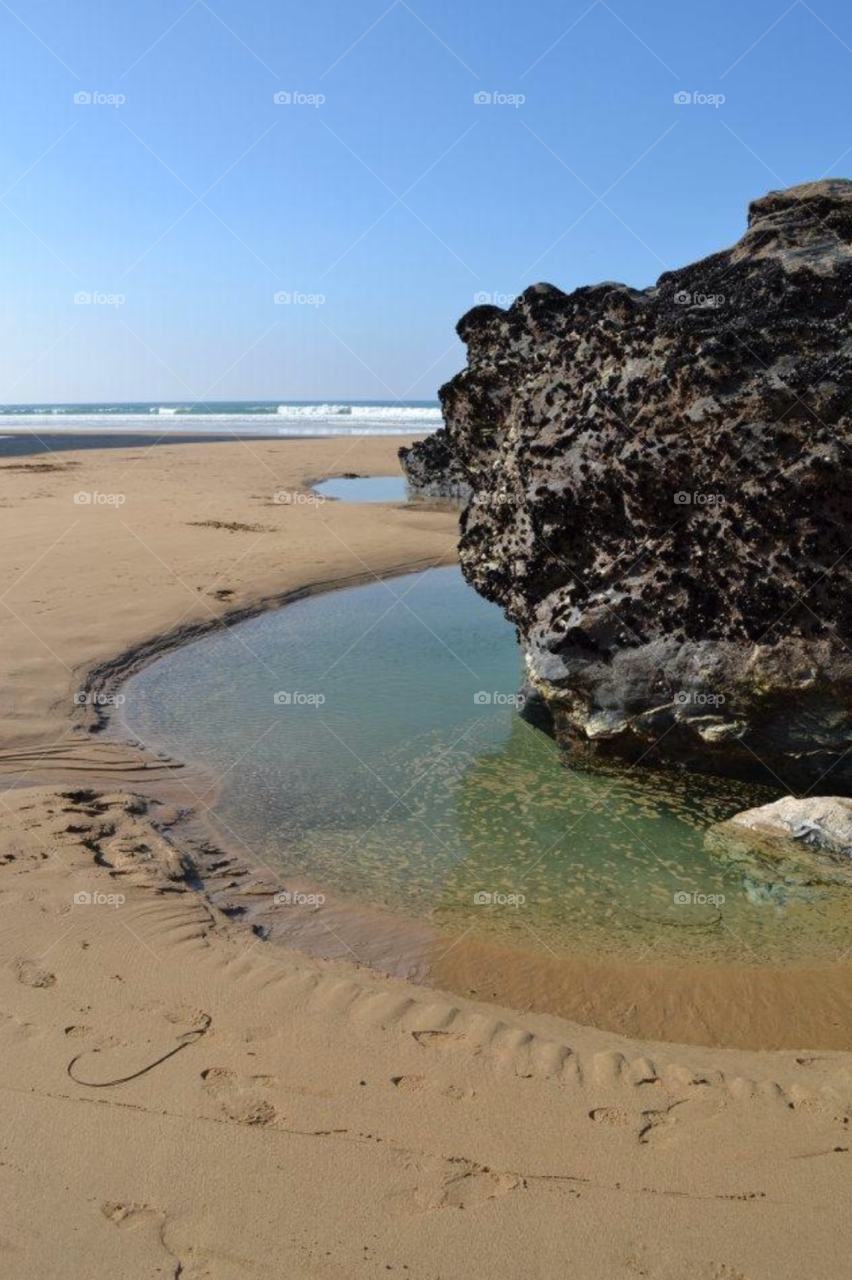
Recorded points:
(432, 470)
(713, 633)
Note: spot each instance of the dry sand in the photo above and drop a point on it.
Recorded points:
(181, 1098)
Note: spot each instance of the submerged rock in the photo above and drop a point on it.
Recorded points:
(662, 498)
(432, 470)
(791, 841)
(822, 822)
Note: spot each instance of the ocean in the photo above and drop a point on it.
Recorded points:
(241, 417)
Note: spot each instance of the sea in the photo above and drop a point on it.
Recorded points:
(236, 417)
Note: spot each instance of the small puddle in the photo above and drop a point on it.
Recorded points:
(364, 488)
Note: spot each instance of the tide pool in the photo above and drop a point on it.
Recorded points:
(367, 742)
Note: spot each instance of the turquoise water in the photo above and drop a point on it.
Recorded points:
(364, 488)
(415, 786)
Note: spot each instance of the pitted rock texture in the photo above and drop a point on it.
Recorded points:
(662, 498)
(432, 470)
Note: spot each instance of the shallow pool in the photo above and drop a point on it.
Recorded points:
(367, 742)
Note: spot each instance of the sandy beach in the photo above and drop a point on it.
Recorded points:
(183, 1098)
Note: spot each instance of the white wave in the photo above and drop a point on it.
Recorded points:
(363, 412)
(362, 429)
(284, 420)
(313, 410)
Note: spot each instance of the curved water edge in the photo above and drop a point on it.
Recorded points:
(96, 710)
(597, 939)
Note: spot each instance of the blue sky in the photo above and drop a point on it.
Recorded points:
(398, 199)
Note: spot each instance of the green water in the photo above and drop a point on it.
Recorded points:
(405, 790)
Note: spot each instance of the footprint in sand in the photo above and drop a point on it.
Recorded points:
(31, 975)
(425, 1084)
(651, 1127)
(475, 1186)
(422, 1084)
(180, 1015)
(15, 1028)
(130, 1215)
(239, 1097)
(458, 1183)
(664, 1125)
(444, 1040)
(78, 1032)
(613, 1117)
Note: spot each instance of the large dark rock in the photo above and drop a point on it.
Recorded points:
(432, 470)
(662, 498)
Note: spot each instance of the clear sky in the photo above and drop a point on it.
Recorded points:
(398, 198)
